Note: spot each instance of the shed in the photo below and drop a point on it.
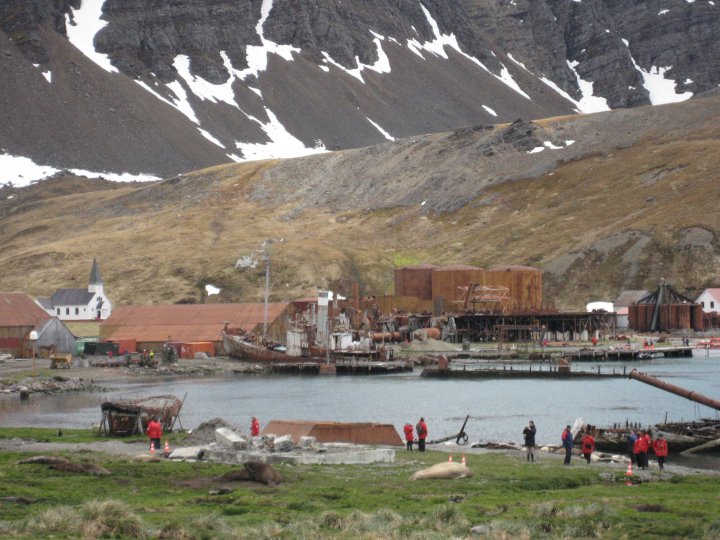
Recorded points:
(152, 326)
(709, 299)
(20, 315)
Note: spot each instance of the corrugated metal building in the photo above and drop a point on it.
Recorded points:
(151, 326)
(20, 315)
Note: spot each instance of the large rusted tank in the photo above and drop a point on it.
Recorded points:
(447, 280)
(524, 285)
(415, 281)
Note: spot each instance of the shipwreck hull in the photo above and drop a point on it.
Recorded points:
(130, 417)
(240, 349)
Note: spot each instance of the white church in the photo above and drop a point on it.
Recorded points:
(80, 304)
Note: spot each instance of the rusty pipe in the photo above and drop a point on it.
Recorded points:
(689, 394)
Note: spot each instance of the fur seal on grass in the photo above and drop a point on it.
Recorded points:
(43, 460)
(86, 468)
(254, 470)
(447, 470)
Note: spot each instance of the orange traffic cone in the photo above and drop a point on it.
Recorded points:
(166, 450)
(629, 475)
(450, 458)
(463, 459)
(152, 448)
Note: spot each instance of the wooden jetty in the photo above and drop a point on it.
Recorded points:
(360, 367)
(341, 367)
(540, 372)
(619, 355)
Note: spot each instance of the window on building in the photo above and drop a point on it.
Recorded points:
(67, 311)
(702, 303)
(712, 303)
(58, 311)
(77, 311)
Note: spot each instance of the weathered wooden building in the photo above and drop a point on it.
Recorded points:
(19, 316)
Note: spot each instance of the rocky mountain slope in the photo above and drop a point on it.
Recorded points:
(600, 202)
(160, 87)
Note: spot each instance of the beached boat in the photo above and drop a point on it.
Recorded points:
(130, 417)
(247, 346)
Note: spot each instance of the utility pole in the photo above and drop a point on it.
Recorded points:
(266, 260)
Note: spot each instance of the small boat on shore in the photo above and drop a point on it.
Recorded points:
(130, 417)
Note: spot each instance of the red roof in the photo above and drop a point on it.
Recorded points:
(184, 322)
(18, 309)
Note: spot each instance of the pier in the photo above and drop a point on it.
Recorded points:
(618, 355)
(540, 372)
(341, 367)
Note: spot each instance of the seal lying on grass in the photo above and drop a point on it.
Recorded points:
(447, 469)
(254, 470)
(85, 468)
(43, 460)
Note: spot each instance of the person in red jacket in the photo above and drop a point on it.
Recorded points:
(588, 446)
(154, 432)
(421, 429)
(660, 448)
(409, 438)
(254, 427)
(643, 445)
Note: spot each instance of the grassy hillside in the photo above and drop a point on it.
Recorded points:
(635, 198)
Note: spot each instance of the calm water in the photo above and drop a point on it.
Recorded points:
(499, 409)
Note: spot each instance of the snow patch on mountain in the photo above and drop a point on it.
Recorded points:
(589, 103)
(381, 66)
(257, 55)
(82, 26)
(21, 171)
(381, 130)
(661, 90)
(489, 110)
(283, 143)
(437, 47)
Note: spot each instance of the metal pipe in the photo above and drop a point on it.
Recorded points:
(689, 394)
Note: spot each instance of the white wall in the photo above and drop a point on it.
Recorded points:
(708, 302)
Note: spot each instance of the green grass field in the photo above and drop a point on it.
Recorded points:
(509, 497)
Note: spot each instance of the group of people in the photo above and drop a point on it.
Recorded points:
(154, 430)
(422, 431)
(639, 445)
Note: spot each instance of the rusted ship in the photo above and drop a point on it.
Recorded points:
(312, 335)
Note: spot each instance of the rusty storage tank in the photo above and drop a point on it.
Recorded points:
(414, 280)
(523, 282)
(696, 318)
(446, 281)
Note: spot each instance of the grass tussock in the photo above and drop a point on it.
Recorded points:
(712, 531)
(110, 518)
(60, 520)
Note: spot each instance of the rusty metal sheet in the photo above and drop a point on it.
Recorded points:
(349, 432)
(184, 322)
(17, 309)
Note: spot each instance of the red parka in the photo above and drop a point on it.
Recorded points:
(408, 429)
(643, 444)
(660, 447)
(255, 428)
(154, 429)
(588, 444)
(421, 430)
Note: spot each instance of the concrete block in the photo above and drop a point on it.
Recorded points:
(283, 444)
(230, 440)
(189, 453)
(352, 457)
(307, 442)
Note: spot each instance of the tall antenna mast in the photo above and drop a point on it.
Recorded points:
(266, 260)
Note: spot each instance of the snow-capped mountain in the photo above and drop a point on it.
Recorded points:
(151, 88)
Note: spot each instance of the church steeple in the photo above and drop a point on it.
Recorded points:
(95, 278)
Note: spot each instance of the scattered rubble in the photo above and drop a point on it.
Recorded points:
(229, 445)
